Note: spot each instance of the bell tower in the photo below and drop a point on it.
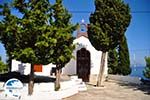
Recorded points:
(82, 30)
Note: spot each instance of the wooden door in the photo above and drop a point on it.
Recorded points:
(83, 64)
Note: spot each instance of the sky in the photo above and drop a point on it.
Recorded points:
(138, 32)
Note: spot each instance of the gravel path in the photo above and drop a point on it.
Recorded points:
(114, 91)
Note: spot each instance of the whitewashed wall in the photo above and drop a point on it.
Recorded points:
(25, 68)
(46, 69)
(81, 42)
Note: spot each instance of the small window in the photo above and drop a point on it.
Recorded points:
(37, 68)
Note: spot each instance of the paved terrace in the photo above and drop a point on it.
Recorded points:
(114, 90)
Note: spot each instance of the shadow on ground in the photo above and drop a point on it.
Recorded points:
(25, 78)
(142, 87)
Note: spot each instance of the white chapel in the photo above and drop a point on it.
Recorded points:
(87, 59)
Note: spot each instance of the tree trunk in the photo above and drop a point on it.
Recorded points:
(101, 71)
(31, 81)
(57, 82)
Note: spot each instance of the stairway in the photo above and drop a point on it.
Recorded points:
(78, 81)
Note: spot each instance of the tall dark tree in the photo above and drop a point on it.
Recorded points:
(112, 61)
(36, 36)
(107, 24)
(147, 68)
(123, 58)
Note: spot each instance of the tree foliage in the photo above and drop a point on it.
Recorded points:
(119, 60)
(108, 24)
(21, 36)
(147, 68)
(3, 66)
(123, 58)
(63, 31)
(42, 34)
(37, 36)
(112, 61)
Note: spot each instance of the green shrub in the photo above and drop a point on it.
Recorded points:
(147, 68)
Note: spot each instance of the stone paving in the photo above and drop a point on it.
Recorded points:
(114, 91)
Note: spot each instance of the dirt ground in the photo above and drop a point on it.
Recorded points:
(114, 91)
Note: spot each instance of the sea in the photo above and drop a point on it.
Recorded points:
(137, 71)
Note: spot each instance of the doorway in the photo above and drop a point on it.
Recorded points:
(83, 64)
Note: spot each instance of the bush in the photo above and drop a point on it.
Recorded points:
(147, 68)
(3, 66)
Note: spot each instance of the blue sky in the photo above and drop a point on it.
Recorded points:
(138, 33)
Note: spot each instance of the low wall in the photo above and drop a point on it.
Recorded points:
(127, 79)
(45, 91)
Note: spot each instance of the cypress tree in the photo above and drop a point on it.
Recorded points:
(112, 61)
(123, 58)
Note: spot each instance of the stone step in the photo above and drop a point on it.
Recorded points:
(81, 85)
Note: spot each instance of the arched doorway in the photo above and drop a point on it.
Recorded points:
(83, 64)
